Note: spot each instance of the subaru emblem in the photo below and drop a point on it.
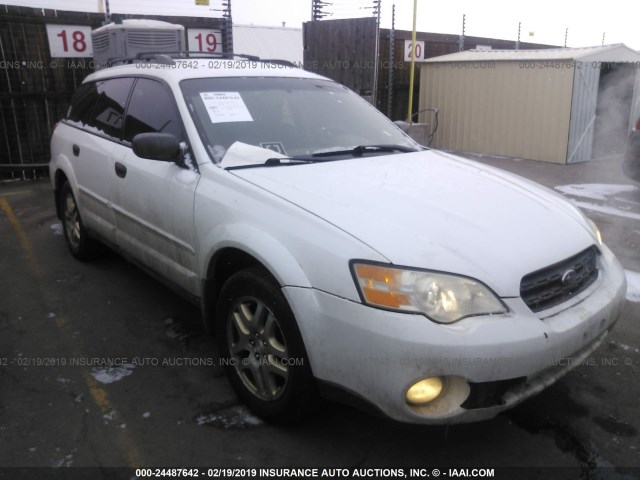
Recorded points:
(569, 277)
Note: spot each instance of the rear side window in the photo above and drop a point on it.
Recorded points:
(152, 109)
(99, 106)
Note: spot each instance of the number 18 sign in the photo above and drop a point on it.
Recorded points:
(70, 40)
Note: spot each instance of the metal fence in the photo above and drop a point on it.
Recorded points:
(35, 88)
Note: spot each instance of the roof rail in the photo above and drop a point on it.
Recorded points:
(167, 58)
(277, 61)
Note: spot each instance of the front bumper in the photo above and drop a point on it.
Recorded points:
(377, 355)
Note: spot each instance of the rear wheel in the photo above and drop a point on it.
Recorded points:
(261, 345)
(80, 244)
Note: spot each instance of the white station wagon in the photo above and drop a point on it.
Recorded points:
(331, 254)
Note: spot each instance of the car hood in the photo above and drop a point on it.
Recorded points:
(436, 211)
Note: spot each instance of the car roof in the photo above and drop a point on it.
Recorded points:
(189, 68)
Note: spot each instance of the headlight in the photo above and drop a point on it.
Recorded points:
(591, 223)
(442, 297)
(596, 230)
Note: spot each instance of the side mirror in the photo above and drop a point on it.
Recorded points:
(157, 146)
(404, 126)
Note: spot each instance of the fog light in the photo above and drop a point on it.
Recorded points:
(425, 391)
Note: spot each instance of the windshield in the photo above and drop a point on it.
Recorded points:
(293, 117)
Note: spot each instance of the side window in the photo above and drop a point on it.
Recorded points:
(99, 106)
(82, 104)
(152, 109)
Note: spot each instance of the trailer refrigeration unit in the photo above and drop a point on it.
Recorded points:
(117, 41)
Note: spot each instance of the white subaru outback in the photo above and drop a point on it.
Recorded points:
(330, 253)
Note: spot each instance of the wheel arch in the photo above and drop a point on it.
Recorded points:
(231, 256)
(63, 172)
(60, 177)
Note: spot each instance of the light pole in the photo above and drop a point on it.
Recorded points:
(413, 60)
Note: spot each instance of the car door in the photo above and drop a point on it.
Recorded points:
(97, 118)
(153, 200)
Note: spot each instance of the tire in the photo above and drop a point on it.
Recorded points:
(81, 246)
(264, 355)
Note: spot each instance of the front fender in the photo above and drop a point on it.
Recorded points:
(262, 246)
(298, 247)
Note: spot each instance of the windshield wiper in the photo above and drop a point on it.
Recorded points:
(360, 150)
(275, 162)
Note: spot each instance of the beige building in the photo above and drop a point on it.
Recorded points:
(557, 105)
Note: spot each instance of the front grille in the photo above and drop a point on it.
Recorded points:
(553, 285)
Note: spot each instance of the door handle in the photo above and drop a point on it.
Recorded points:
(76, 150)
(121, 170)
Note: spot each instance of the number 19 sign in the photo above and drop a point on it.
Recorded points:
(203, 40)
(70, 41)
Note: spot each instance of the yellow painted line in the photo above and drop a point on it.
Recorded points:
(101, 399)
(22, 236)
(17, 193)
(98, 394)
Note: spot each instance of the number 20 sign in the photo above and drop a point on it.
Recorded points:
(70, 41)
(416, 51)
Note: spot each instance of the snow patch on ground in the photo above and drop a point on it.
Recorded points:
(66, 461)
(56, 228)
(624, 347)
(233, 417)
(595, 191)
(602, 192)
(112, 374)
(633, 286)
(608, 210)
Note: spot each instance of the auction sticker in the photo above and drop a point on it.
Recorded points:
(224, 107)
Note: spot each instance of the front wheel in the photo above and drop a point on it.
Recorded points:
(262, 349)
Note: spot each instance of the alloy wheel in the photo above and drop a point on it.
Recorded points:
(257, 348)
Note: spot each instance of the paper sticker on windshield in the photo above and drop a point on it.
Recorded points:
(275, 146)
(224, 107)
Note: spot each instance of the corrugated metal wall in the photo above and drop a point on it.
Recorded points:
(583, 115)
(509, 108)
